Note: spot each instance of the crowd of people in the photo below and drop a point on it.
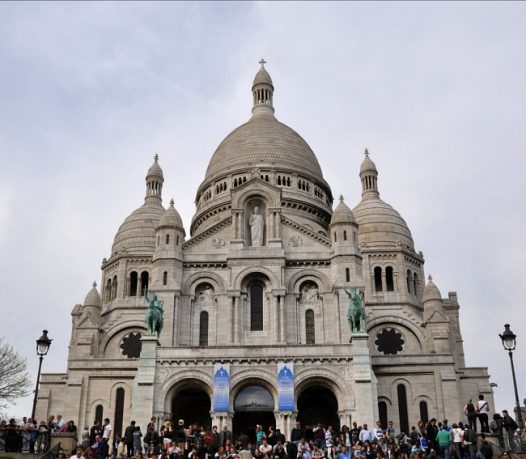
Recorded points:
(426, 440)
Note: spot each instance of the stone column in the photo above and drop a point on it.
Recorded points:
(363, 380)
(275, 319)
(142, 396)
(237, 314)
(282, 319)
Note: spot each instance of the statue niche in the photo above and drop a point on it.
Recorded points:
(256, 223)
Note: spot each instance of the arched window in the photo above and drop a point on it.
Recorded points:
(344, 235)
(378, 279)
(424, 416)
(119, 411)
(389, 281)
(409, 281)
(335, 237)
(108, 290)
(256, 306)
(402, 408)
(177, 241)
(310, 335)
(99, 412)
(165, 278)
(415, 284)
(203, 328)
(114, 288)
(167, 239)
(134, 278)
(347, 275)
(382, 414)
(144, 282)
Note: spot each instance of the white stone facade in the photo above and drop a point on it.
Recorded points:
(230, 299)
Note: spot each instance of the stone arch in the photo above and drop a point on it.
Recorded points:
(111, 333)
(270, 196)
(113, 389)
(253, 376)
(327, 378)
(90, 411)
(195, 279)
(319, 278)
(403, 323)
(182, 380)
(245, 273)
(384, 398)
(322, 389)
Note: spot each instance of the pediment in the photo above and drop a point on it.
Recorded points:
(437, 316)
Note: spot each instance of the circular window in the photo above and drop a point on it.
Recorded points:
(389, 341)
(131, 345)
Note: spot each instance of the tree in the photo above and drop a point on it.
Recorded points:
(14, 380)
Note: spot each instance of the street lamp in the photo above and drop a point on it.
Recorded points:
(509, 342)
(43, 344)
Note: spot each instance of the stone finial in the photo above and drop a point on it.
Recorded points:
(429, 278)
(366, 152)
(341, 197)
(94, 285)
(156, 158)
(172, 202)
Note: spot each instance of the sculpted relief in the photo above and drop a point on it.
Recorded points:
(205, 295)
(309, 293)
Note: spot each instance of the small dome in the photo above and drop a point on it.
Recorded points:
(342, 214)
(431, 292)
(137, 233)
(262, 77)
(367, 164)
(93, 297)
(171, 218)
(380, 224)
(155, 169)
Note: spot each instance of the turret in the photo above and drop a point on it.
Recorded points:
(346, 260)
(369, 177)
(263, 92)
(154, 181)
(168, 254)
(436, 321)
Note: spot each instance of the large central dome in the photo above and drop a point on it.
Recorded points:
(263, 141)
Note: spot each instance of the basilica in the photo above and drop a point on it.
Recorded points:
(258, 304)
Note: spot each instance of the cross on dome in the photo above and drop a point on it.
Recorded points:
(429, 278)
(262, 62)
(366, 152)
(341, 197)
(156, 158)
(94, 284)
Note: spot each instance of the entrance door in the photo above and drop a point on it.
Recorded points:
(318, 404)
(193, 406)
(253, 405)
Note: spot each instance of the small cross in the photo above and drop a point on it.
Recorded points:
(366, 152)
(262, 62)
(156, 157)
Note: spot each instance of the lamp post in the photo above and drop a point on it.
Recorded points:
(43, 344)
(509, 342)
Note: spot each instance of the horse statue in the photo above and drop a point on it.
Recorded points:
(154, 314)
(356, 311)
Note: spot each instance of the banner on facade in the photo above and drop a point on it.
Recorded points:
(285, 386)
(221, 387)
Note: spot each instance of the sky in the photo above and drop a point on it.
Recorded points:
(89, 92)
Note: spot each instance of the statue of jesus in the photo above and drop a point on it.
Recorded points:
(257, 226)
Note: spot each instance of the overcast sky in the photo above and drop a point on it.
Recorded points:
(90, 91)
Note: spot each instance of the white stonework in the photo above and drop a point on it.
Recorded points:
(254, 304)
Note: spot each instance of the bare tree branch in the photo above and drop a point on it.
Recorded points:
(14, 380)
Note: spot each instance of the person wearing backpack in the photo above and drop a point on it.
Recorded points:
(510, 426)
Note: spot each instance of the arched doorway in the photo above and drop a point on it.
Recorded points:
(317, 404)
(192, 404)
(253, 405)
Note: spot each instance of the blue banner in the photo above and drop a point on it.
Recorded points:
(285, 386)
(221, 387)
